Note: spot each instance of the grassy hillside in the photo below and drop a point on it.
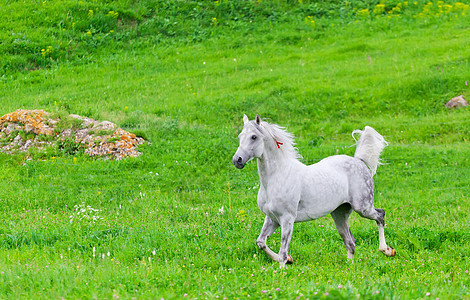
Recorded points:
(182, 74)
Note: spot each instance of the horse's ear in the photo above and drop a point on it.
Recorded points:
(258, 119)
(245, 119)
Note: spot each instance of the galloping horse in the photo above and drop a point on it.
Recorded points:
(293, 192)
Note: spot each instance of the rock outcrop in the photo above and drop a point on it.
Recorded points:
(23, 129)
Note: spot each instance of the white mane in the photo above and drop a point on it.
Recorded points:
(279, 134)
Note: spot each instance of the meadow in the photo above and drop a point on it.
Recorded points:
(180, 221)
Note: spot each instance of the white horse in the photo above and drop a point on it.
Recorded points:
(293, 192)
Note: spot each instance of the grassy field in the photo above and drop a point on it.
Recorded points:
(182, 74)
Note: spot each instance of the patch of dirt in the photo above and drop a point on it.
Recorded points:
(24, 129)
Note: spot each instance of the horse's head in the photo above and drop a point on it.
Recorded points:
(251, 142)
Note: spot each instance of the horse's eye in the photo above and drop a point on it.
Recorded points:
(253, 137)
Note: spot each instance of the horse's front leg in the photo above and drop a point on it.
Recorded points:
(287, 228)
(269, 227)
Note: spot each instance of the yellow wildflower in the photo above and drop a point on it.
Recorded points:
(379, 9)
(113, 14)
(363, 13)
(310, 20)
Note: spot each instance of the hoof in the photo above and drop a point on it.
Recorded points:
(389, 252)
(287, 261)
(290, 260)
(351, 257)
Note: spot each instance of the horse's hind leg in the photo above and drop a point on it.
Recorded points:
(388, 251)
(341, 216)
(378, 215)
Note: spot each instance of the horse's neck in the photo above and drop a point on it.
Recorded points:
(271, 164)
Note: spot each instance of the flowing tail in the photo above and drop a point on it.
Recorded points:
(369, 146)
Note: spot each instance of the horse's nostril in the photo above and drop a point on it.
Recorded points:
(239, 160)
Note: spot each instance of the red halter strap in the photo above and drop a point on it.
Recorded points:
(279, 143)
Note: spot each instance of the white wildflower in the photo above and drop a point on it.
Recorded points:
(83, 213)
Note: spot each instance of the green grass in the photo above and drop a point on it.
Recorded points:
(186, 89)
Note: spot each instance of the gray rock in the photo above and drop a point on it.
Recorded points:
(87, 122)
(18, 140)
(67, 133)
(76, 117)
(28, 128)
(458, 101)
(81, 134)
(28, 144)
(10, 128)
(105, 125)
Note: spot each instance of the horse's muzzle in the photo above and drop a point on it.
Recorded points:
(238, 161)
